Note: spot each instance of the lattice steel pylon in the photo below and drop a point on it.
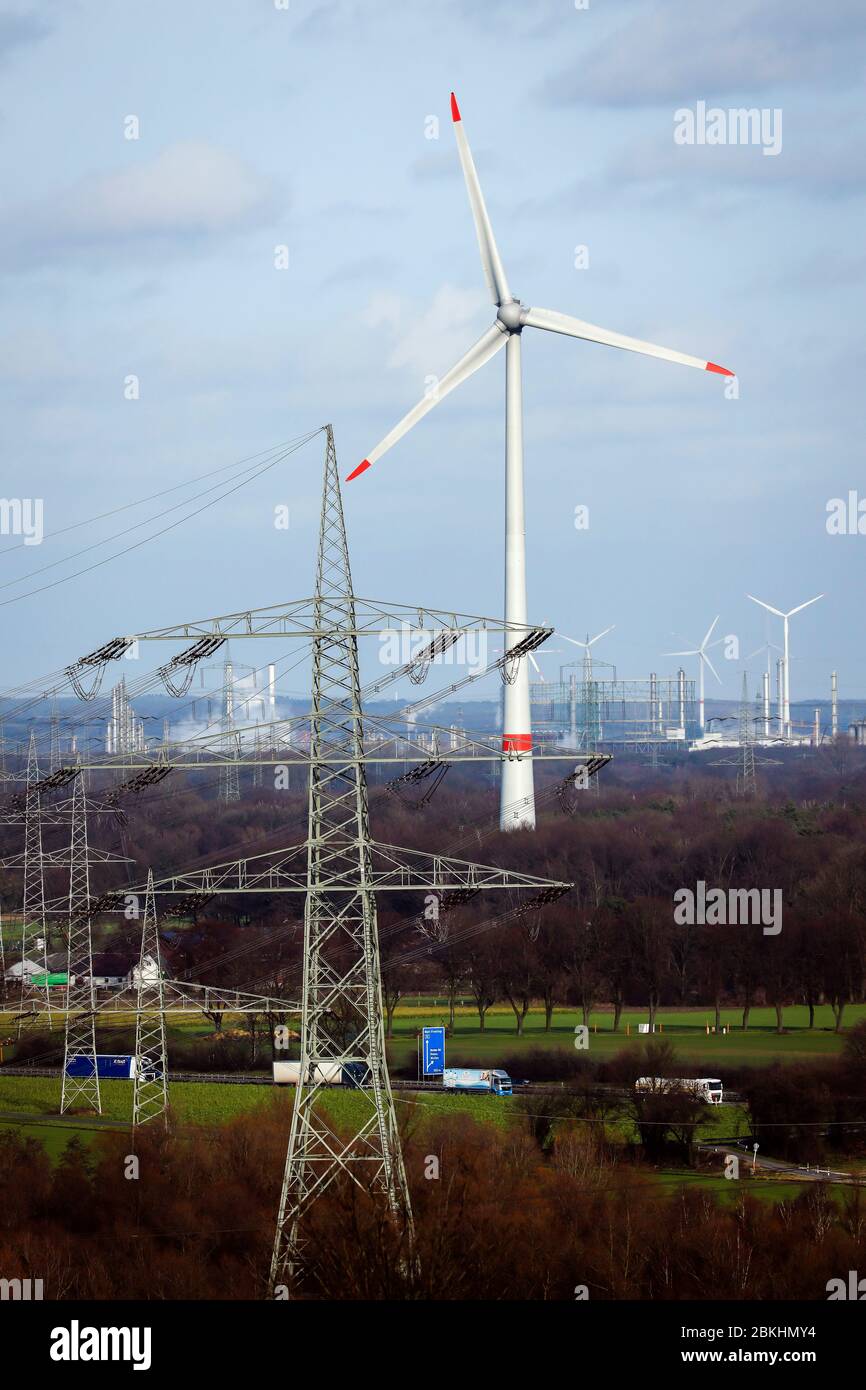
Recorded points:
(79, 1055)
(33, 926)
(150, 1086)
(341, 945)
(229, 779)
(747, 780)
(589, 701)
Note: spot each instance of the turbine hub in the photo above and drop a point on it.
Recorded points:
(509, 316)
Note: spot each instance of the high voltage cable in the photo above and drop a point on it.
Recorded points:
(153, 497)
(106, 540)
(164, 530)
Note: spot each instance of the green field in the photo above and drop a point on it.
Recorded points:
(467, 1045)
(206, 1103)
(686, 1028)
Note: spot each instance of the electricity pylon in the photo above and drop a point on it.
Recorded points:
(150, 1087)
(33, 926)
(340, 869)
(229, 781)
(341, 942)
(80, 1047)
(747, 781)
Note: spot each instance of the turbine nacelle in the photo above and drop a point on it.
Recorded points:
(512, 315)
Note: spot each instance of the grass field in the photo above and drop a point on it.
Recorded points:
(686, 1028)
(195, 1103)
(467, 1045)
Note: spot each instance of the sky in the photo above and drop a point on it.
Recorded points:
(324, 128)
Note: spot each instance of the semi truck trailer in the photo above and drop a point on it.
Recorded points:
(323, 1073)
(113, 1066)
(490, 1080)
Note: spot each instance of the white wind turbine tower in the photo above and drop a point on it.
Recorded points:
(701, 653)
(786, 668)
(517, 799)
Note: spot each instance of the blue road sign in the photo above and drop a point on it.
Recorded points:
(433, 1051)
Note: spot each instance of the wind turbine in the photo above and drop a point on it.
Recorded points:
(517, 799)
(587, 646)
(786, 673)
(701, 653)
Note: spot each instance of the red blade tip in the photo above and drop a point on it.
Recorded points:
(723, 371)
(356, 472)
(455, 109)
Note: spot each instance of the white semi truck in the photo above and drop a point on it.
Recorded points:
(490, 1080)
(709, 1088)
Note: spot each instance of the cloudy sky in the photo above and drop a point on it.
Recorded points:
(307, 125)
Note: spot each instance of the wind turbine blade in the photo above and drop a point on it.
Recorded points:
(490, 258)
(709, 632)
(477, 355)
(535, 664)
(601, 634)
(554, 322)
(696, 652)
(805, 605)
(573, 640)
(705, 658)
(778, 612)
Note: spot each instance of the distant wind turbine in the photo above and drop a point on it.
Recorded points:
(517, 797)
(701, 653)
(786, 670)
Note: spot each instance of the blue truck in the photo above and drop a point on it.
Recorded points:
(488, 1079)
(112, 1066)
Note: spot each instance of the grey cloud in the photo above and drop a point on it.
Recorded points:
(19, 30)
(687, 48)
(188, 193)
(361, 270)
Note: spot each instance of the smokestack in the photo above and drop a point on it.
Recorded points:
(817, 727)
(272, 689)
(834, 705)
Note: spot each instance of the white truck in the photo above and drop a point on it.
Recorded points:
(324, 1073)
(708, 1088)
(490, 1080)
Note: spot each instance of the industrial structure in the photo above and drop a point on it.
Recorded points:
(618, 713)
(124, 732)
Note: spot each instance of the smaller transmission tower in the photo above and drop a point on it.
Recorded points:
(150, 1093)
(747, 782)
(229, 780)
(82, 1087)
(34, 931)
